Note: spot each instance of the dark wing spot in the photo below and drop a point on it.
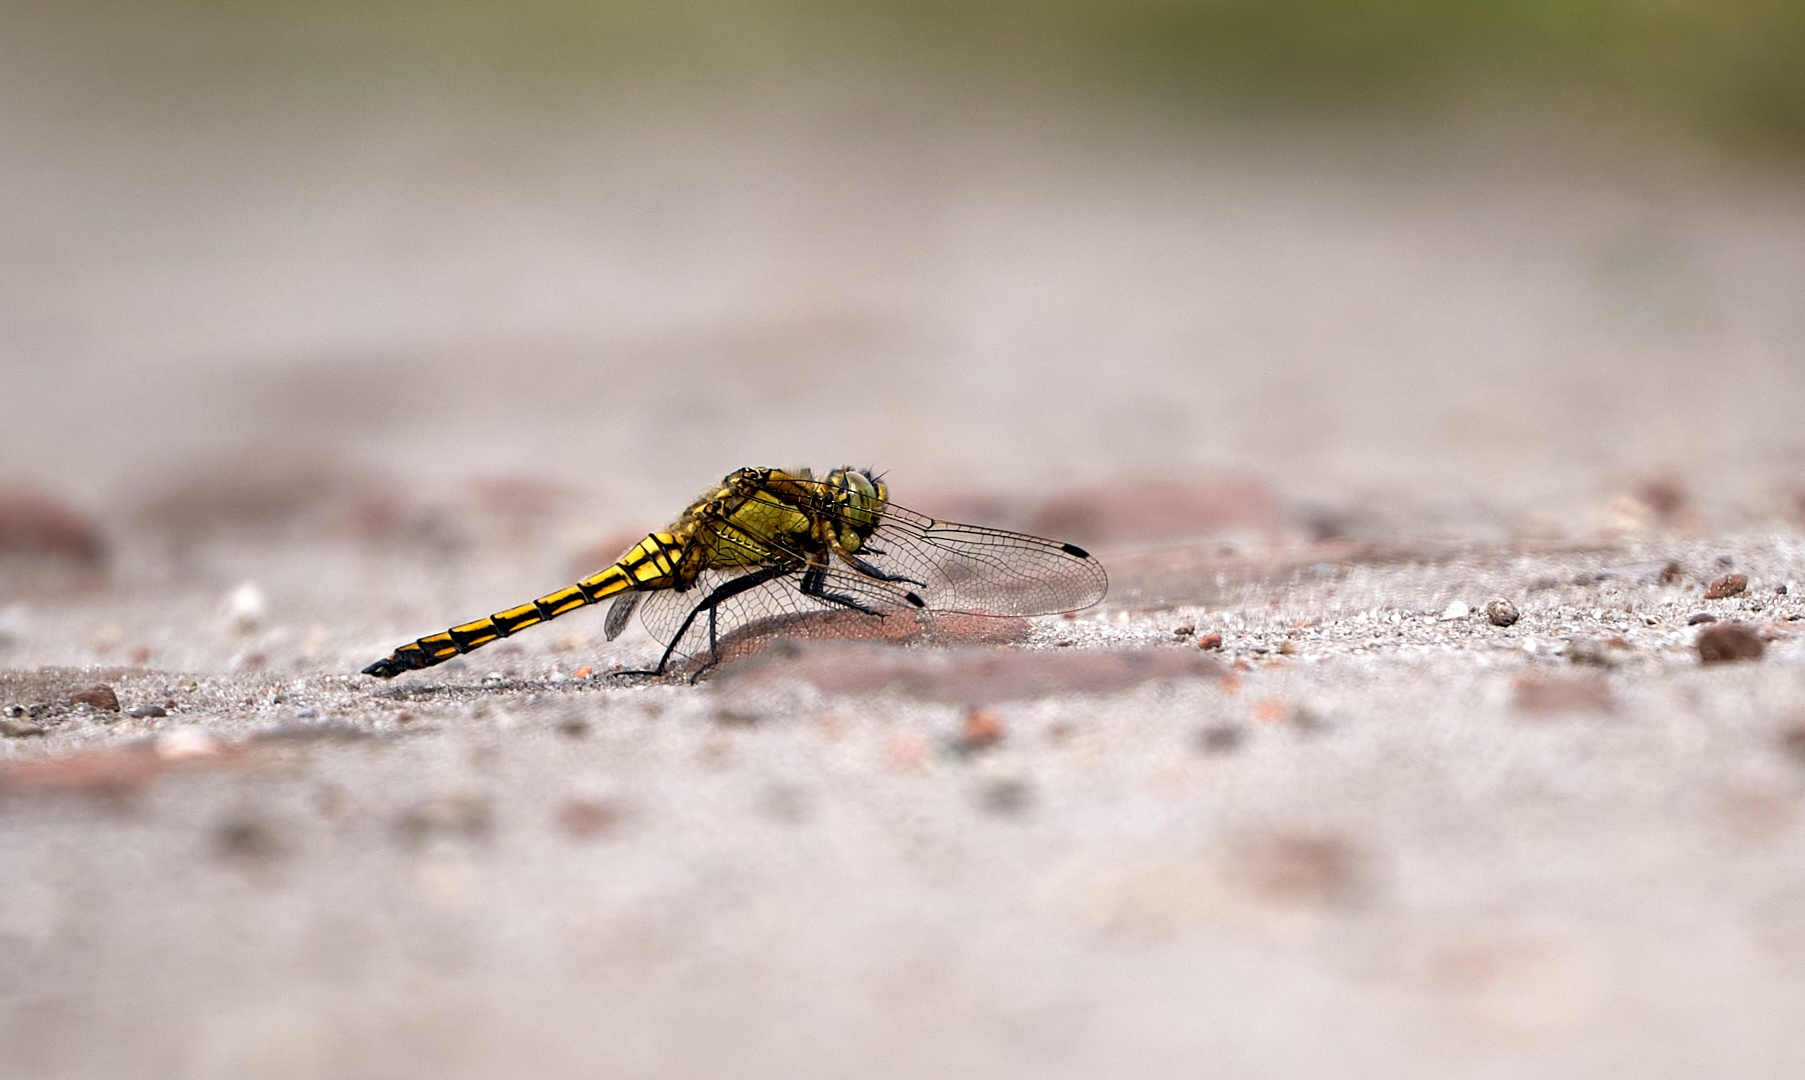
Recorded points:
(914, 599)
(1074, 549)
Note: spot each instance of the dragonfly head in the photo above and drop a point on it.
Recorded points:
(861, 498)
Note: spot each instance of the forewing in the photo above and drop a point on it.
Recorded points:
(970, 568)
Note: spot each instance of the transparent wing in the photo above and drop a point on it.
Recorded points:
(983, 571)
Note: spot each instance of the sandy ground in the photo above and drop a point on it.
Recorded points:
(1325, 396)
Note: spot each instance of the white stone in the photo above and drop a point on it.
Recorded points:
(1457, 610)
(244, 607)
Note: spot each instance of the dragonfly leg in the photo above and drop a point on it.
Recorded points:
(812, 586)
(871, 571)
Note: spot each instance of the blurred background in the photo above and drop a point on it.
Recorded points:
(1527, 251)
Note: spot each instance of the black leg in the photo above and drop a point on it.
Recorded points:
(725, 591)
(871, 571)
(813, 580)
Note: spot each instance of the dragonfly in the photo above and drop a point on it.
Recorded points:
(767, 547)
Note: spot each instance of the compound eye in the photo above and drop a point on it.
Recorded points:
(860, 484)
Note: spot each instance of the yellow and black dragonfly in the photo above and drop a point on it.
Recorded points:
(771, 544)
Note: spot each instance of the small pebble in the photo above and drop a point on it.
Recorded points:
(145, 712)
(1210, 641)
(1184, 631)
(730, 716)
(19, 729)
(1457, 610)
(1727, 642)
(307, 714)
(1005, 797)
(1502, 612)
(246, 838)
(1701, 618)
(1726, 586)
(1588, 651)
(1220, 739)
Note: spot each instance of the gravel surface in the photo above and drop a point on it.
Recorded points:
(1416, 835)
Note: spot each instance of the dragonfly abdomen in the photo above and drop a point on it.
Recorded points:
(650, 564)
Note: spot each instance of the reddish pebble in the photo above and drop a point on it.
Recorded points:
(1302, 867)
(1728, 585)
(981, 730)
(589, 819)
(1210, 641)
(101, 697)
(35, 524)
(908, 752)
(1269, 711)
(1665, 496)
(1564, 694)
(1723, 643)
